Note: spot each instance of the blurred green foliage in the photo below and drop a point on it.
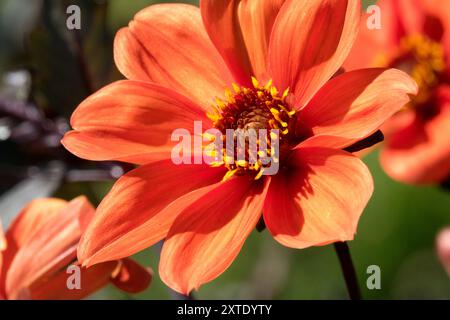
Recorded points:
(396, 232)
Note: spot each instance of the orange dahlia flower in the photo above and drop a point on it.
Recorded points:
(41, 244)
(274, 61)
(414, 37)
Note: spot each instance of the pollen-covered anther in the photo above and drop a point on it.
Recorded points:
(246, 110)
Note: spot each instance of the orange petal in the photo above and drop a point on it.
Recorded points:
(355, 104)
(167, 44)
(51, 244)
(132, 277)
(34, 216)
(374, 47)
(419, 152)
(222, 24)
(241, 31)
(55, 288)
(309, 43)
(439, 8)
(130, 121)
(133, 216)
(256, 19)
(208, 235)
(410, 15)
(318, 199)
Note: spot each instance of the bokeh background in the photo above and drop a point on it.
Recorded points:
(46, 70)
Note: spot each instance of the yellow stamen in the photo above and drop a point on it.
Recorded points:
(274, 111)
(429, 59)
(228, 159)
(210, 153)
(213, 116)
(289, 113)
(273, 92)
(216, 164)
(221, 104)
(229, 174)
(259, 175)
(255, 82)
(259, 106)
(209, 137)
(242, 163)
(261, 154)
(273, 135)
(229, 96)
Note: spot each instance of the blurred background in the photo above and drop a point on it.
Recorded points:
(46, 70)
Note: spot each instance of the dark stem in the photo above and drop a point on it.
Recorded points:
(24, 111)
(445, 185)
(84, 68)
(261, 226)
(368, 142)
(348, 269)
(173, 294)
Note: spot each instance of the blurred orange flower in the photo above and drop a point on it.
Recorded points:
(414, 37)
(278, 58)
(41, 244)
(443, 248)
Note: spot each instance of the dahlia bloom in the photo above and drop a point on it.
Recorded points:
(232, 64)
(414, 37)
(41, 244)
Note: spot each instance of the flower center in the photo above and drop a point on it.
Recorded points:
(424, 59)
(261, 116)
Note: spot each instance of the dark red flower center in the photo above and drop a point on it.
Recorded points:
(262, 111)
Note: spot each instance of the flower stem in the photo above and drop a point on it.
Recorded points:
(445, 185)
(366, 143)
(348, 270)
